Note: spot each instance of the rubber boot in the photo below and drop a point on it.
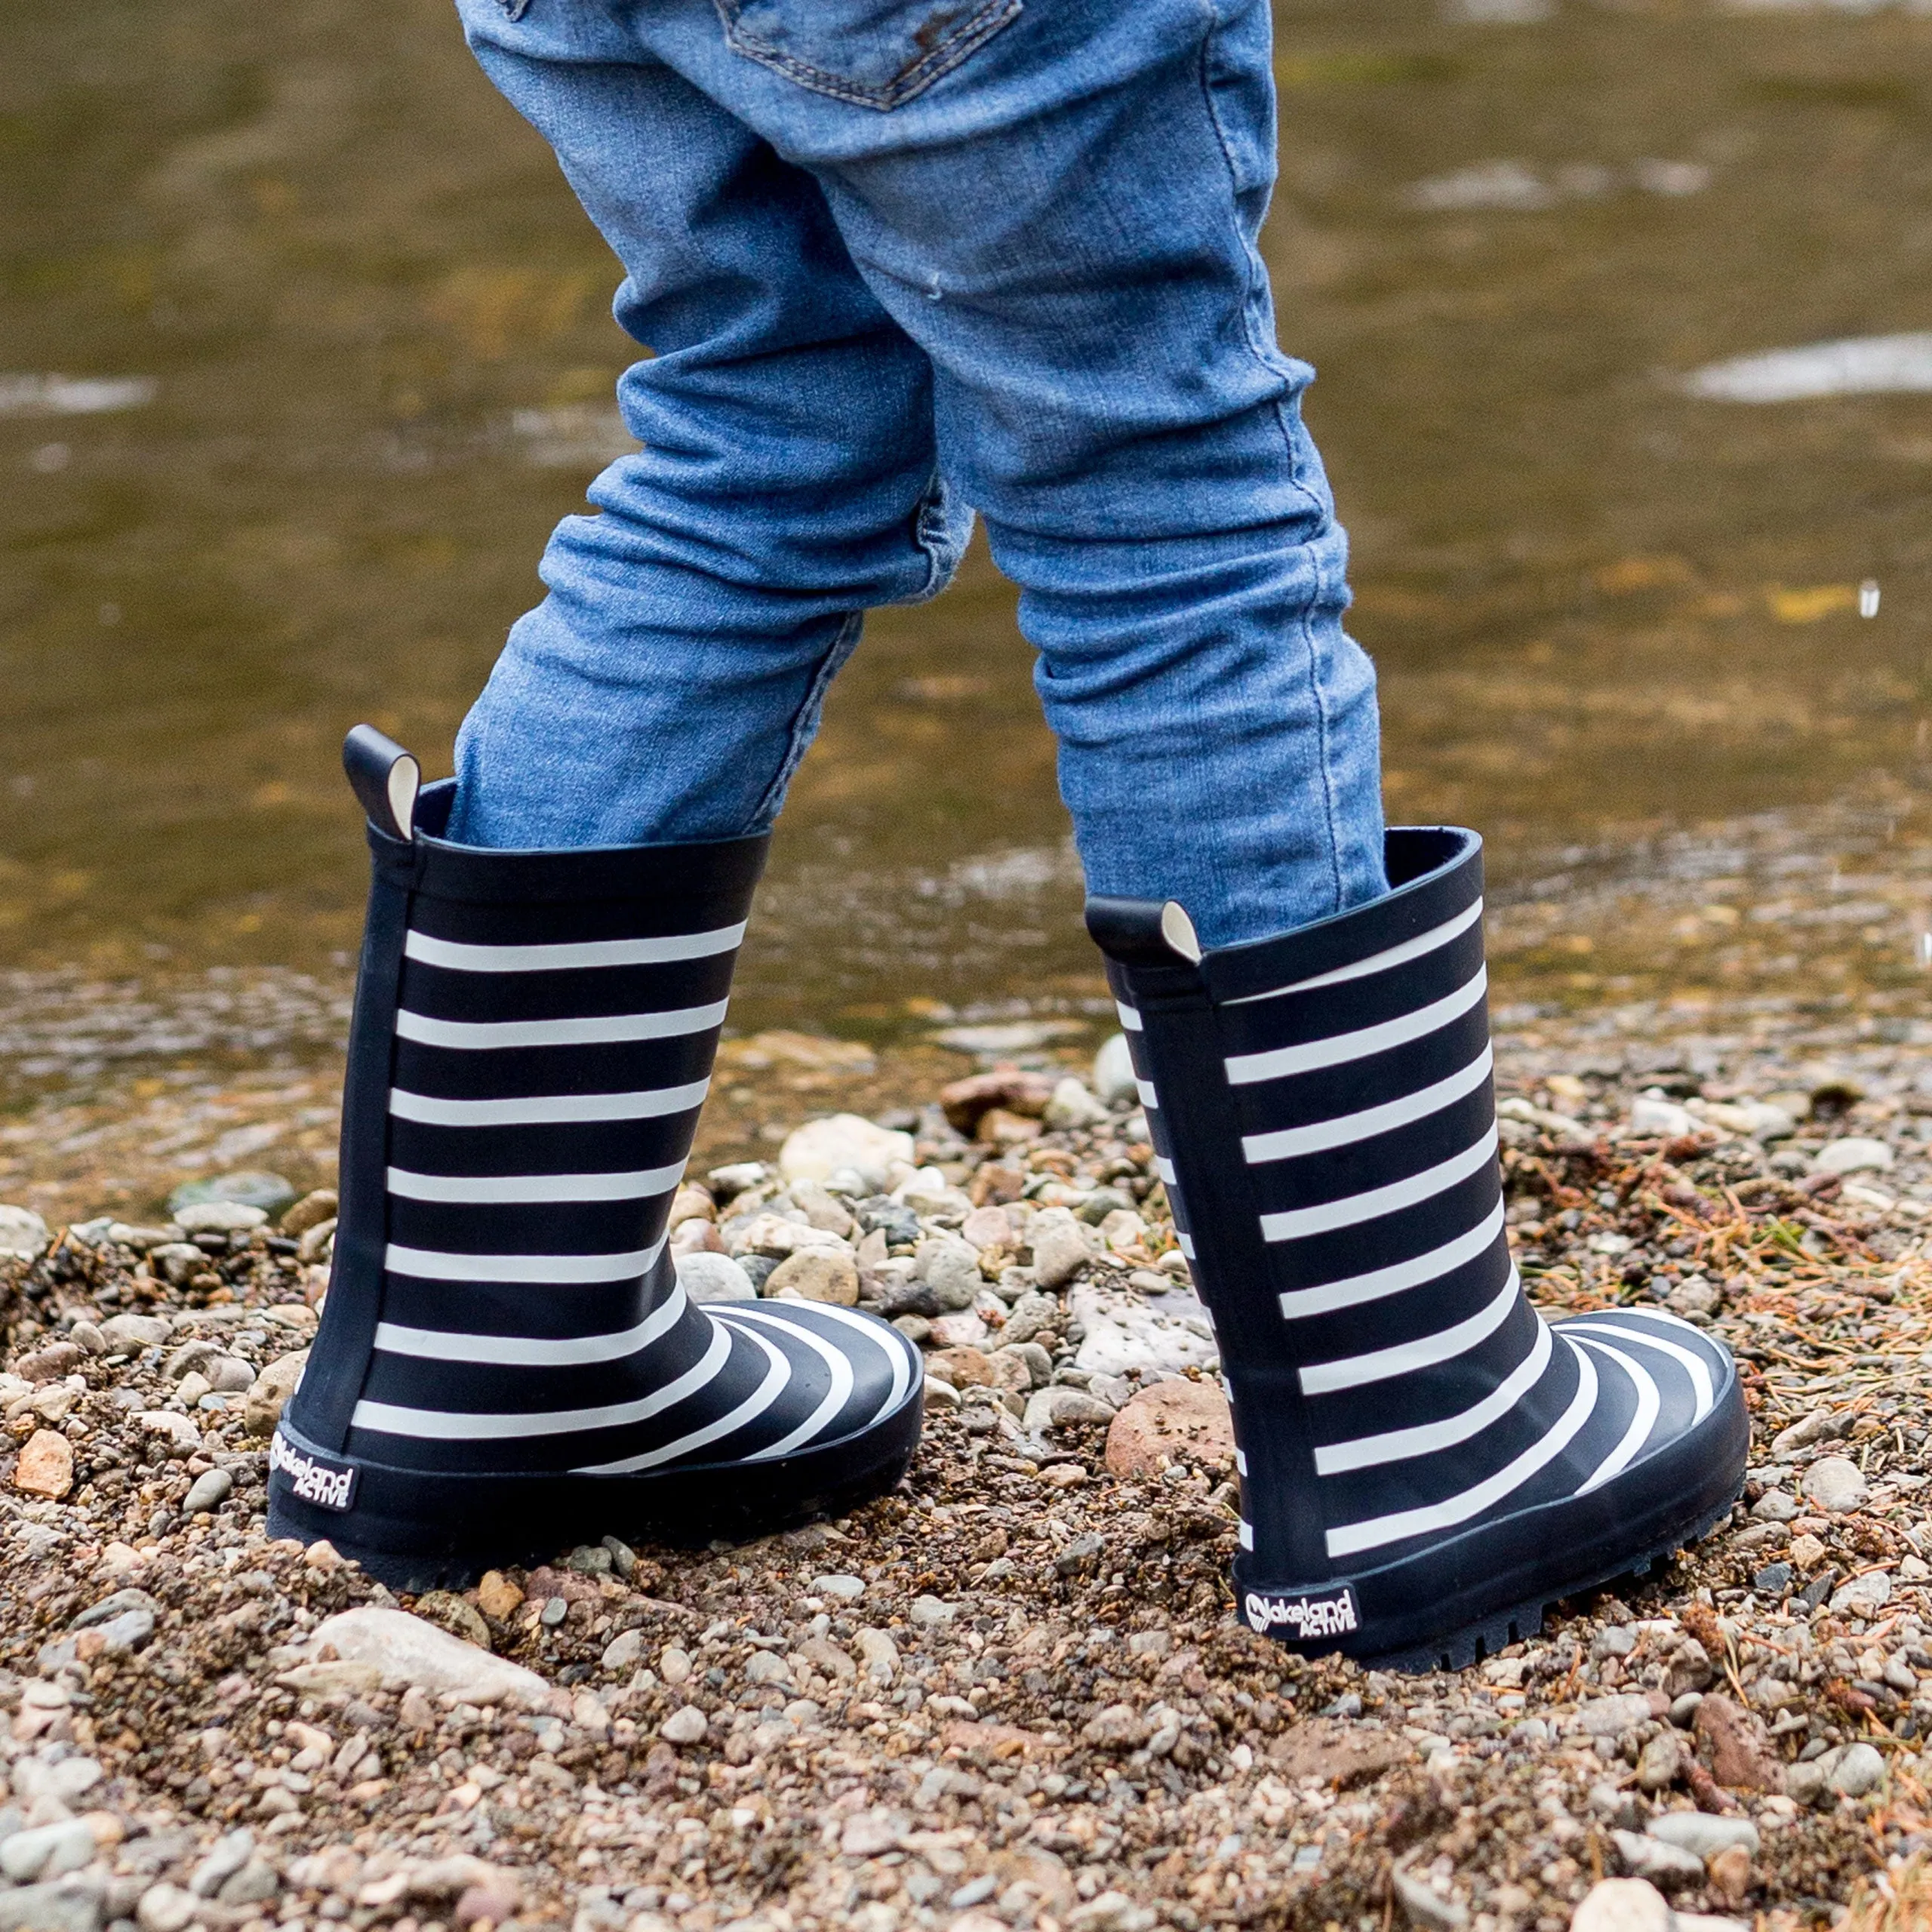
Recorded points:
(507, 1363)
(1425, 1463)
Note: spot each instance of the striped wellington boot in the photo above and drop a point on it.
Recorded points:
(1425, 1463)
(507, 1363)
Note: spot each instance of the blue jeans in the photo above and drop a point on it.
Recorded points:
(894, 258)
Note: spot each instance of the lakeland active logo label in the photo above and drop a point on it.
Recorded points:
(327, 1485)
(1303, 1618)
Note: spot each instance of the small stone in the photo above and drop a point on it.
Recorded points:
(230, 1852)
(1169, 1419)
(252, 1187)
(623, 1650)
(871, 1833)
(964, 1368)
(1775, 1506)
(1702, 1834)
(1073, 1105)
(1733, 1740)
(45, 1467)
(171, 1432)
(706, 1277)
(1125, 1336)
(1662, 1864)
(1860, 1770)
(110, 1607)
(929, 1613)
(129, 1334)
(311, 1211)
(166, 1908)
(496, 1597)
(819, 1149)
(841, 1589)
(1114, 1078)
(1623, 1905)
(1806, 1552)
(255, 1884)
(494, 1900)
(1731, 1873)
(686, 1725)
(228, 1375)
(877, 1655)
(1652, 1116)
(1774, 1580)
(1661, 1762)
(1835, 1484)
(1015, 1091)
(218, 1217)
(941, 1397)
(270, 1391)
(411, 1650)
(1692, 1295)
(817, 1274)
(959, 1331)
(207, 1492)
(1056, 1408)
(454, 1613)
(949, 1267)
(45, 1851)
(1059, 1248)
(1611, 1717)
(1856, 1154)
(23, 1233)
(1864, 1595)
(132, 1631)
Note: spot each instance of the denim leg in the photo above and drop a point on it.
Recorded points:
(668, 684)
(1065, 219)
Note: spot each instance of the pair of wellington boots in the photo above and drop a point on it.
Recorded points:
(507, 1363)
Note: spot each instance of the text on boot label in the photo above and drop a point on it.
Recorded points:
(327, 1485)
(1302, 1617)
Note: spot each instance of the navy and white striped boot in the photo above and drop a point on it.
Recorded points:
(507, 1363)
(1425, 1463)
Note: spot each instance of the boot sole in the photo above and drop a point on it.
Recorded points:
(415, 1530)
(1471, 1596)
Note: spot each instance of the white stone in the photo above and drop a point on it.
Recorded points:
(226, 1217)
(685, 1726)
(877, 1655)
(1611, 1717)
(706, 1276)
(166, 1908)
(1857, 1154)
(1422, 1905)
(1864, 1595)
(1124, 1333)
(1073, 1105)
(45, 1851)
(1651, 1117)
(411, 1650)
(1704, 1835)
(128, 1334)
(929, 1612)
(179, 1432)
(950, 1267)
(817, 1150)
(1060, 1248)
(23, 1232)
(842, 1590)
(1622, 1905)
(1114, 1078)
(1835, 1484)
(624, 1650)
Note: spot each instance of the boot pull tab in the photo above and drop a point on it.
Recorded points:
(385, 779)
(1143, 932)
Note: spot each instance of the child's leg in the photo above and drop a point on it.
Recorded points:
(667, 686)
(1060, 204)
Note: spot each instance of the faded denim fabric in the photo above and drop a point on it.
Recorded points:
(893, 258)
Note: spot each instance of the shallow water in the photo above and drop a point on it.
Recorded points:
(303, 347)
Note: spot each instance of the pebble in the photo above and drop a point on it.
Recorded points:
(1074, 1105)
(949, 1267)
(1125, 1336)
(840, 1589)
(1741, 1756)
(45, 1466)
(46, 1851)
(1032, 1315)
(1864, 1595)
(311, 1211)
(685, 1725)
(1661, 1764)
(269, 1194)
(1623, 1905)
(878, 1655)
(1422, 1905)
(1114, 1080)
(1164, 1420)
(1663, 1864)
(1611, 1717)
(166, 1908)
(57, 1907)
(930, 1614)
(23, 1233)
(129, 1334)
(816, 1274)
(1861, 1770)
(1856, 1154)
(1049, 1408)
(412, 1651)
(1835, 1484)
(1703, 1833)
(270, 1391)
(819, 1149)
(1059, 1248)
(1652, 1117)
(1775, 1506)
(218, 1217)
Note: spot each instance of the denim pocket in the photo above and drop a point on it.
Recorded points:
(877, 54)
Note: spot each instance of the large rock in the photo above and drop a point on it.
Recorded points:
(821, 1148)
(1171, 1418)
(408, 1651)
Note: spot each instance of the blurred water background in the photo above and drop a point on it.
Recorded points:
(304, 346)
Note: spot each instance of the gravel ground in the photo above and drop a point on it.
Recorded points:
(1012, 1694)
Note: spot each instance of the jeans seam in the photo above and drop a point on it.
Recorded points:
(1251, 266)
(914, 81)
(804, 721)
